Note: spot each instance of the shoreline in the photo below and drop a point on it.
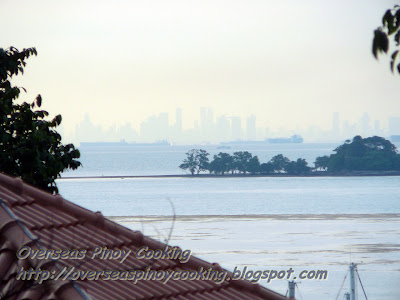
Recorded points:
(277, 217)
(313, 174)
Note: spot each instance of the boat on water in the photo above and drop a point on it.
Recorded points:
(351, 294)
(296, 139)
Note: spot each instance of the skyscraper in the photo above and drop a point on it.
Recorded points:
(223, 128)
(365, 125)
(377, 128)
(155, 128)
(394, 126)
(236, 128)
(251, 132)
(207, 126)
(203, 121)
(178, 120)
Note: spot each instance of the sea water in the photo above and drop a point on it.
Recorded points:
(262, 223)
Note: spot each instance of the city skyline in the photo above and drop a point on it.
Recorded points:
(216, 128)
(291, 64)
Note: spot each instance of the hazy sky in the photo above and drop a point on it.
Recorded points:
(289, 62)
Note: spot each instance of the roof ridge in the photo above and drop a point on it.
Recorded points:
(136, 237)
(15, 224)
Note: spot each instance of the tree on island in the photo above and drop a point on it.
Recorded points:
(196, 161)
(266, 168)
(222, 162)
(321, 163)
(202, 157)
(241, 160)
(30, 146)
(368, 154)
(279, 163)
(253, 165)
(189, 163)
(298, 167)
(388, 31)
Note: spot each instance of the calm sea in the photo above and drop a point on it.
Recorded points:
(262, 223)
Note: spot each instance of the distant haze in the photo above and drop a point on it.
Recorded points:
(287, 65)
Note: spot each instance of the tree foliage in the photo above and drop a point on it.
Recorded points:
(368, 154)
(222, 162)
(196, 161)
(321, 162)
(266, 168)
(279, 163)
(387, 37)
(30, 146)
(203, 161)
(253, 165)
(298, 167)
(243, 162)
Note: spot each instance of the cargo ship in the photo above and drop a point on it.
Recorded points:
(296, 139)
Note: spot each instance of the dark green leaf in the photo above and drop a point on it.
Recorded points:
(30, 147)
(397, 38)
(39, 100)
(380, 42)
(392, 63)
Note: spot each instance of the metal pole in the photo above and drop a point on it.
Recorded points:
(352, 282)
(292, 286)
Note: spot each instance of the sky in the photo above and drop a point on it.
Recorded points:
(291, 63)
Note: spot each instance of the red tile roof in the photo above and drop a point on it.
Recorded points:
(36, 220)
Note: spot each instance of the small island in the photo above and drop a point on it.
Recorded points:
(372, 156)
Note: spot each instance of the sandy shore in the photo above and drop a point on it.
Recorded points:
(313, 174)
(201, 218)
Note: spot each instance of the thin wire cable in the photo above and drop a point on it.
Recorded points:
(341, 286)
(299, 291)
(365, 294)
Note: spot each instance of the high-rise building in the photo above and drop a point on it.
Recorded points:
(86, 131)
(203, 120)
(251, 132)
(163, 126)
(349, 130)
(236, 128)
(365, 125)
(178, 120)
(267, 133)
(155, 128)
(207, 126)
(126, 132)
(377, 128)
(223, 128)
(210, 116)
(394, 126)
